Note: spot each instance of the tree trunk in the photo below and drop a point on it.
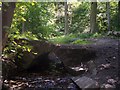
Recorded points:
(7, 15)
(66, 18)
(108, 15)
(0, 31)
(70, 16)
(23, 27)
(119, 14)
(93, 25)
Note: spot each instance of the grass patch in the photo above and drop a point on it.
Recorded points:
(82, 41)
(61, 39)
(71, 39)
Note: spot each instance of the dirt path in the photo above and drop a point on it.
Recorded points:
(107, 62)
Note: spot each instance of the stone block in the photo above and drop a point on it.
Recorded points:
(85, 83)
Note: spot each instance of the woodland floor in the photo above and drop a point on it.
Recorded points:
(107, 64)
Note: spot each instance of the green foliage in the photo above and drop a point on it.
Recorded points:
(102, 18)
(61, 39)
(42, 20)
(36, 16)
(15, 34)
(59, 17)
(82, 41)
(75, 38)
(85, 35)
(15, 49)
(114, 17)
(17, 44)
(81, 18)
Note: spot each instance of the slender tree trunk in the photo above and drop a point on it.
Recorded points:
(119, 14)
(7, 15)
(93, 15)
(0, 31)
(66, 18)
(70, 17)
(108, 15)
(23, 27)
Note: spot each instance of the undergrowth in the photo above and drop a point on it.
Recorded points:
(74, 38)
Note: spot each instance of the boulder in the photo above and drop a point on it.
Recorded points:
(86, 83)
(37, 57)
(9, 69)
(72, 56)
(43, 52)
(53, 58)
(39, 63)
